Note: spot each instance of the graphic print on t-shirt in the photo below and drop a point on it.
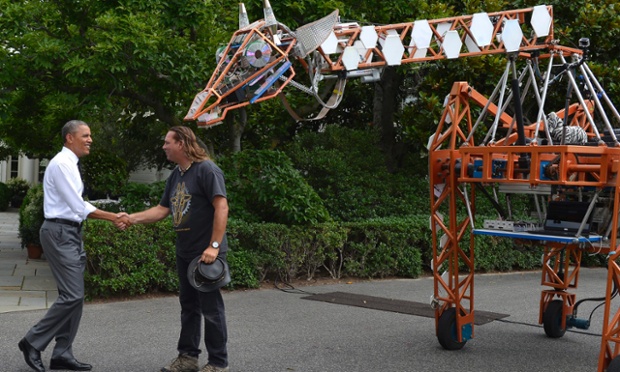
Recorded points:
(180, 202)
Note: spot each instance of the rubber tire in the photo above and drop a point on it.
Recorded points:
(614, 365)
(552, 319)
(446, 331)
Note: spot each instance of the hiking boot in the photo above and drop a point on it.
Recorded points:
(212, 368)
(182, 363)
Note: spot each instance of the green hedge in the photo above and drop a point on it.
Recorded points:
(142, 259)
(386, 247)
(136, 261)
(289, 252)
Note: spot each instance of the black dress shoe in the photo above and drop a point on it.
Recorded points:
(69, 364)
(31, 355)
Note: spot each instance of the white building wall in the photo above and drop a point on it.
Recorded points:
(5, 172)
(28, 169)
(149, 175)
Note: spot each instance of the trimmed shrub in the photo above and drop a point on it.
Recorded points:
(142, 259)
(291, 252)
(18, 187)
(288, 252)
(243, 267)
(136, 261)
(495, 253)
(31, 216)
(262, 185)
(386, 247)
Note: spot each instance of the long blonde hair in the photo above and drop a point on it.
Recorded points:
(193, 150)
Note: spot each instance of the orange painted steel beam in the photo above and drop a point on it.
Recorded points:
(453, 156)
(554, 262)
(610, 339)
(232, 74)
(598, 170)
(461, 24)
(445, 196)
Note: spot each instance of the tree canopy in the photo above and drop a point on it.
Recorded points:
(132, 67)
(129, 68)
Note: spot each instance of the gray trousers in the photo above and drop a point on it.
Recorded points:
(64, 250)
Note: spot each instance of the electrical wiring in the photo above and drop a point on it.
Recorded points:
(289, 288)
(613, 294)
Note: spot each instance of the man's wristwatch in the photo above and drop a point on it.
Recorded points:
(215, 245)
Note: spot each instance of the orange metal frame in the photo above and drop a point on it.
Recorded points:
(212, 97)
(453, 152)
(610, 341)
(461, 23)
(216, 91)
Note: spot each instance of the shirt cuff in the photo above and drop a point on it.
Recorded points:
(88, 209)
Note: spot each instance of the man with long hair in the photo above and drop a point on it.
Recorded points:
(195, 198)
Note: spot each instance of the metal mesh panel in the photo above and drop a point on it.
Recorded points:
(312, 35)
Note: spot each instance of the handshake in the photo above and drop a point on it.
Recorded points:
(123, 220)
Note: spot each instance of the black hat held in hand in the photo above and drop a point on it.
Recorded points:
(208, 277)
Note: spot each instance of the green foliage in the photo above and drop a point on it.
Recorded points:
(502, 254)
(104, 174)
(346, 168)
(289, 252)
(98, 60)
(139, 260)
(31, 216)
(109, 205)
(262, 185)
(5, 197)
(142, 259)
(521, 205)
(243, 268)
(386, 247)
(136, 197)
(262, 241)
(18, 188)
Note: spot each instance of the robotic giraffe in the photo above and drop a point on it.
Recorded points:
(480, 143)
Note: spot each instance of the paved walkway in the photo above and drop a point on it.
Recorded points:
(25, 284)
(272, 330)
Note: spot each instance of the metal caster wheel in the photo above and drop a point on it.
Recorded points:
(552, 319)
(446, 331)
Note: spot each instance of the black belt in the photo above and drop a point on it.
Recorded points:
(65, 222)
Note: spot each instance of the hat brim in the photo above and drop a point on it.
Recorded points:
(202, 284)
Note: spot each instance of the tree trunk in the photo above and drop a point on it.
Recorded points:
(237, 126)
(384, 107)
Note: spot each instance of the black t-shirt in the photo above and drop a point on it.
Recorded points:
(189, 197)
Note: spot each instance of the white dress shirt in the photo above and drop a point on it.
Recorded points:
(63, 187)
